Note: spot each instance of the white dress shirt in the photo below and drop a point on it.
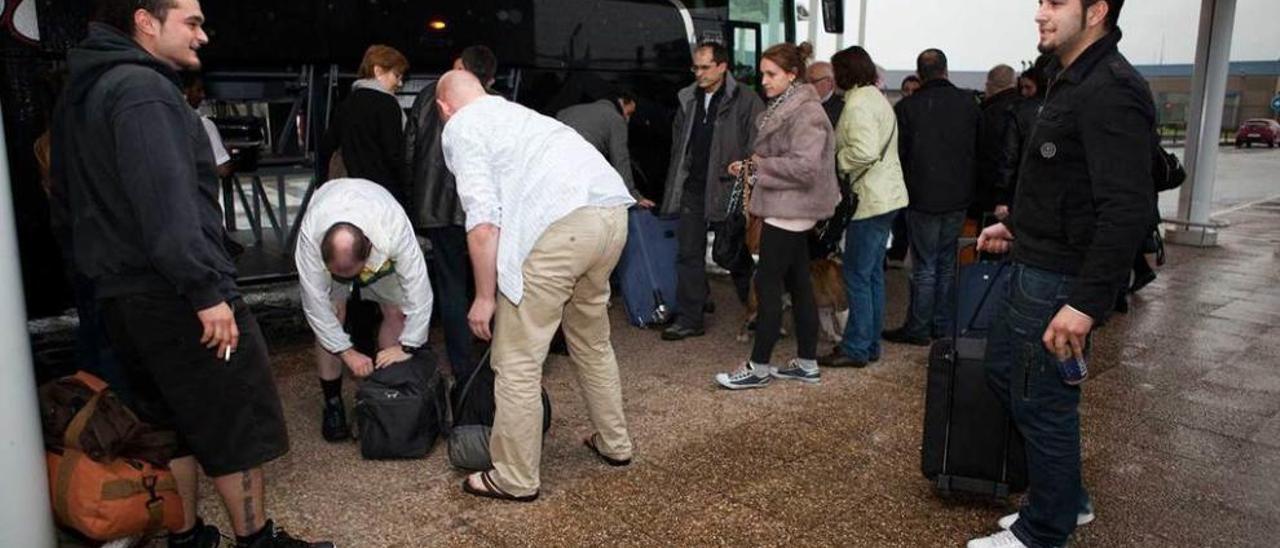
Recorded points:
(220, 155)
(370, 207)
(521, 171)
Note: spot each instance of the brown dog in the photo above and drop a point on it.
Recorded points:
(828, 293)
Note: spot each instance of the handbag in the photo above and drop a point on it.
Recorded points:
(828, 232)
(1167, 172)
(400, 409)
(473, 414)
(755, 225)
(101, 482)
(1154, 244)
(738, 236)
(114, 499)
(730, 246)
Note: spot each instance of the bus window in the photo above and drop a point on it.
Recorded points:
(745, 51)
(775, 17)
(755, 25)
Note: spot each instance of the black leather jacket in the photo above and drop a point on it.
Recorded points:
(432, 191)
(997, 122)
(1022, 118)
(1085, 192)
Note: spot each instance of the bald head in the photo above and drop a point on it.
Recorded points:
(821, 76)
(1000, 78)
(457, 89)
(345, 249)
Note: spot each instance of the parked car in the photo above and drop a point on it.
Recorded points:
(1258, 130)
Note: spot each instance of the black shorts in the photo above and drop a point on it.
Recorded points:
(226, 414)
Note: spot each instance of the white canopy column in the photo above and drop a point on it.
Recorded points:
(26, 518)
(1208, 94)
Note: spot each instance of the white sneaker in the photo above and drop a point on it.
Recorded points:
(1003, 539)
(1081, 519)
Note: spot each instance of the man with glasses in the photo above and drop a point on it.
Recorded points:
(823, 79)
(355, 234)
(713, 128)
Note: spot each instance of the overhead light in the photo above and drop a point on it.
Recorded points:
(437, 24)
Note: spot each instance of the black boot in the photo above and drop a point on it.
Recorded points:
(333, 425)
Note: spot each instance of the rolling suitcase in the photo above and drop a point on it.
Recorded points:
(970, 443)
(648, 269)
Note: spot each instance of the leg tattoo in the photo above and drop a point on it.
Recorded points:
(246, 483)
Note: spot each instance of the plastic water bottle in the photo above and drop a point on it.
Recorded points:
(1073, 371)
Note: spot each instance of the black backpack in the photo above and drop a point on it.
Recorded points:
(473, 411)
(399, 410)
(1166, 170)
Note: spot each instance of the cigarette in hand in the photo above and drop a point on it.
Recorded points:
(227, 358)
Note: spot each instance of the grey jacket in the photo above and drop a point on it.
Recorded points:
(795, 178)
(602, 125)
(735, 130)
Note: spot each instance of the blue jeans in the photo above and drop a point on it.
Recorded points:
(864, 251)
(933, 271)
(1024, 376)
(450, 269)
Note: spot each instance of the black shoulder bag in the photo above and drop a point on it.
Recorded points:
(825, 241)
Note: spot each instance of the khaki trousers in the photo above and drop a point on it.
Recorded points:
(566, 279)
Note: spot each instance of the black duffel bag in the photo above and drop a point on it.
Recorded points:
(473, 411)
(399, 410)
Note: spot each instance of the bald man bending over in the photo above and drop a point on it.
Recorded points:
(546, 223)
(355, 234)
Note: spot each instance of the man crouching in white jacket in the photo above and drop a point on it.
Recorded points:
(355, 234)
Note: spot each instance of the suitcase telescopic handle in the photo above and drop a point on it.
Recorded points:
(961, 244)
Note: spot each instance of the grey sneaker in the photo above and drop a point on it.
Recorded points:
(744, 377)
(793, 371)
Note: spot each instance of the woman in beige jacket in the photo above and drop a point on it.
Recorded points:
(867, 158)
(794, 187)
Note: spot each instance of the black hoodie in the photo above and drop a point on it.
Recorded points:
(135, 168)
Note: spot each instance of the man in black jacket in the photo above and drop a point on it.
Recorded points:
(141, 184)
(938, 128)
(997, 117)
(1083, 205)
(436, 212)
(1022, 118)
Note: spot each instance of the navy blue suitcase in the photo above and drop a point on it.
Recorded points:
(647, 269)
(978, 290)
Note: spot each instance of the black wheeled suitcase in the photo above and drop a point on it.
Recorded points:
(970, 443)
